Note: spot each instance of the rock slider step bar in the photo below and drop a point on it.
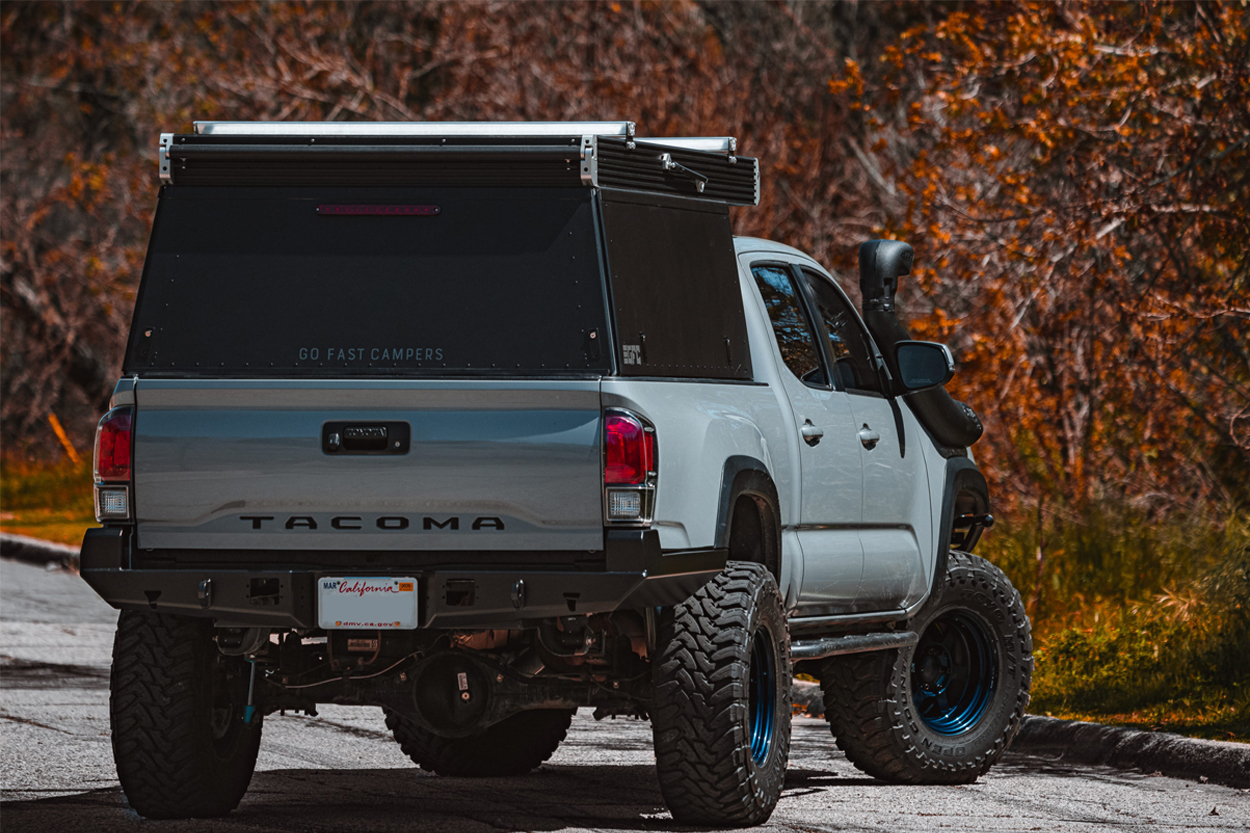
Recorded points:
(834, 646)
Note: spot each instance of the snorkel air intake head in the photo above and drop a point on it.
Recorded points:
(881, 264)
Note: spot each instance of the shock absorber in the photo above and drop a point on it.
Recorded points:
(249, 711)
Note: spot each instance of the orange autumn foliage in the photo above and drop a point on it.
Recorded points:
(1076, 178)
(87, 87)
(1072, 176)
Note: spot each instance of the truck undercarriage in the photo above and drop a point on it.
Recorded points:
(456, 683)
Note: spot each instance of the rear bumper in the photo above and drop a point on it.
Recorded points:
(639, 574)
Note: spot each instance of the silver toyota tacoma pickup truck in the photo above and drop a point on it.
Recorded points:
(486, 423)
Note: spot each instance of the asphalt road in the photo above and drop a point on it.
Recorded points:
(342, 772)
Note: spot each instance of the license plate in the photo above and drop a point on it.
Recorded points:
(368, 603)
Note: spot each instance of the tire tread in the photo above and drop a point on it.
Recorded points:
(154, 709)
(872, 728)
(700, 742)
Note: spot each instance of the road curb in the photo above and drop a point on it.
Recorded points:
(1075, 741)
(1218, 762)
(37, 551)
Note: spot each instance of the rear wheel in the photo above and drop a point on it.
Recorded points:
(176, 705)
(945, 710)
(513, 746)
(721, 713)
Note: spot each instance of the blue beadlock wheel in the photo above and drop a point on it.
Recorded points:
(763, 700)
(945, 710)
(954, 673)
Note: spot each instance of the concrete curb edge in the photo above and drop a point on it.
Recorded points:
(1075, 741)
(1218, 762)
(37, 551)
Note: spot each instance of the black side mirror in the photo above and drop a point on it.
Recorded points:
(923, 364)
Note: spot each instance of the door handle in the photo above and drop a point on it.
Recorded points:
(868, 437)
(811, 434)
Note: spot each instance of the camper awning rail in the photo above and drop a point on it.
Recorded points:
(509, 154)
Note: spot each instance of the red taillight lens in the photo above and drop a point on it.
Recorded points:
(112, 445)
(629, 450)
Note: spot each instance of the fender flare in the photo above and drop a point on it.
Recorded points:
(743, 475)
(962, 475)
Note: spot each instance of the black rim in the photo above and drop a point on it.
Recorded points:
(954, 673)
(762, 708)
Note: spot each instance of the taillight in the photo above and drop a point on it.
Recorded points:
(112, 446)
(629, 469)
(112, 465)
(629, 450)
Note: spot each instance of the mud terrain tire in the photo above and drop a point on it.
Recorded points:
(176, 707)
(513, 746)
(721, 713)
(911, 715)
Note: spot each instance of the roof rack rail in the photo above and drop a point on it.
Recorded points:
(710, 144)
(598, 154)
(416, 128)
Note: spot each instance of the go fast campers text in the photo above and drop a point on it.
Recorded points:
(371, 354)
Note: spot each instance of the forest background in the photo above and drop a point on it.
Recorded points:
(1075, 179)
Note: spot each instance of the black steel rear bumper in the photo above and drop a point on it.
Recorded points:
(636, 574)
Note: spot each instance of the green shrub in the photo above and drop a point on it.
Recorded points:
(1186, 650)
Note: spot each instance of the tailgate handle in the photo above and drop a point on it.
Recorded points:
(365, 438)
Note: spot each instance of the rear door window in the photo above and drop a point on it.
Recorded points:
(790, 325)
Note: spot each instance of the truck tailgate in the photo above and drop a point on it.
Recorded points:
(492, 465)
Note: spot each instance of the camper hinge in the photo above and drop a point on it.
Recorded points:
(590, 161)
(162, 158)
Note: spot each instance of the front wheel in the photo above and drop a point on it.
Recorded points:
(944, 710)
(721, 713)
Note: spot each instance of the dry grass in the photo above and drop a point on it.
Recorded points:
(1141, 626)
(50, 501)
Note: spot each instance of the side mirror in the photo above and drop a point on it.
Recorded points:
(923, 365)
